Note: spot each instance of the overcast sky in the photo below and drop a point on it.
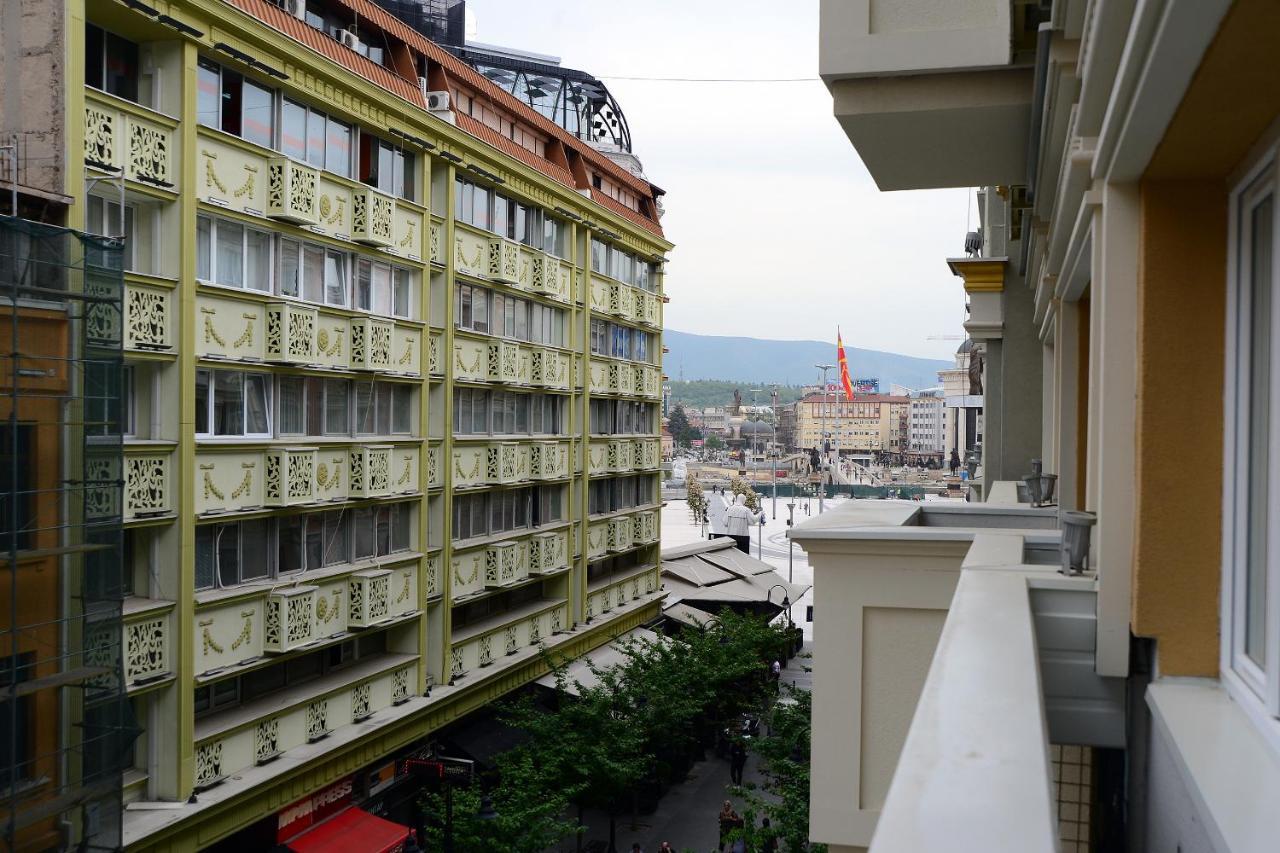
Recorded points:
(779, 230)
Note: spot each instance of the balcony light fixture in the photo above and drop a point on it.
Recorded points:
(413, 140)
(451, 157)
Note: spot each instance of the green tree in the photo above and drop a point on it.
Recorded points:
(783, 796)
(678, 425)
(714, 443)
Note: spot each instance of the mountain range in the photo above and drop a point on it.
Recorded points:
(756, 360)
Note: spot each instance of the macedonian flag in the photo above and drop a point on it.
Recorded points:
(844, 366)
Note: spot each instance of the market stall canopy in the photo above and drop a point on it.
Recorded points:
(706, 576)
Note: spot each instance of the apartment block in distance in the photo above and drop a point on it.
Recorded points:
(389, 396)
(1102, 672)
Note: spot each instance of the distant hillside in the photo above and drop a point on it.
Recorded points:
(752, 360)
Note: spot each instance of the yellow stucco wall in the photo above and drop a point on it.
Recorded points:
(1181, 304)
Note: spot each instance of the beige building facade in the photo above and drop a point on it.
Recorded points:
(867, 424)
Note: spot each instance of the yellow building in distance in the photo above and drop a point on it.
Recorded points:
(868, 424)
(393, 345)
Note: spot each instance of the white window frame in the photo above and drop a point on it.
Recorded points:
(272, 270)
(205, 431)
(1257, 689)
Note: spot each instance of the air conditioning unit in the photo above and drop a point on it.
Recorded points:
(349, 39)
(297, 8)
(437, 102)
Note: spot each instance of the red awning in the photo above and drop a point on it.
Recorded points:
(352, 831)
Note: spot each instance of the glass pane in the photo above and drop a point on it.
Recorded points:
(313, 273)
(257, 407)
(335, 407)
(402, 409)
(1261, 276)
(291, 406)
(363, 529)
(204, 557)
(402, 526)
(121, 77)
(337, 152)
(364, 285)
(253, 549)
(258, 272)
(293, 130)
(313, 540)
(204, 249)
(257, 121)
(402, 294)
(228, 554)
(289, 541)
(384, 531)
(335, 279)
(335, 538)
(315, 138)
(383, 425)
(228, 402)
(289, 271)
(230, 260)
(202, 402)
(93, 56)
(382, 290)
(480, 311)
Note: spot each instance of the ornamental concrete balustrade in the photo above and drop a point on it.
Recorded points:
(492, 463)
(148, 318)
(548, 553)
(608, 594)
(549, 368)
(234, 480)
(240, 176)
(432, 581)
(276, 620)
(885, 590)
(435, 354)
(436, 243)
(486, 643)
(148, 483)
(633, 379)
(549, 460)
(609, 457)
(262, 730)
(148, 629)
(644, 528)
(122, 135)
(297, 333)
(495, 361)
(435, 471)
(506, 564)
(482, 255)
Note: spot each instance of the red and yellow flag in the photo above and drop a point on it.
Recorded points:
(844, 366)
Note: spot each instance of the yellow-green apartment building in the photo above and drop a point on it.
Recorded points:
(391, 401)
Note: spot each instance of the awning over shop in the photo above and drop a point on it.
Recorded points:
(579, 671)
(352, 831)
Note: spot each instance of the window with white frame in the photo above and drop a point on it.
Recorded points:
(233, 403)
(231, 254)
(108, 398)
(1252, 514)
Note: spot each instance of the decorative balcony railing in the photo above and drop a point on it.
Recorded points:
(372, 217)
(548, 552)
(369, 598)
(125, 136)
(147, 641)
(492, 463)
(292, 191)
(548, 368)
(148, 315)
(148, 483)
(549, 460)
(523, 628)
(432, 579)
(609, 596)
(290, 620)
(223, 752)
(437, 243)
(504, 262)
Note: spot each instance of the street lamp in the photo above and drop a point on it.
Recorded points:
(822, 479)
(786, 599)
(791, 543)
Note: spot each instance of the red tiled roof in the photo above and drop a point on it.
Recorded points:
(318, 41)
(621, 209)
(483, 132)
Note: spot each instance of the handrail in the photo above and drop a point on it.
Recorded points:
(974, 771)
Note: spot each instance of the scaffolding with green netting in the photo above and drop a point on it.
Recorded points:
(66, 726)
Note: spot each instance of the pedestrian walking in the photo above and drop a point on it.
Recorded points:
(770, 838)
(666, 848)
(737, 761)
(729, 821)
(738, 520)
(955, 462)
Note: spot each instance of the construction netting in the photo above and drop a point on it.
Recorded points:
(66, 725)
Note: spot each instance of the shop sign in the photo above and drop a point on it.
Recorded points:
(309, 811)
